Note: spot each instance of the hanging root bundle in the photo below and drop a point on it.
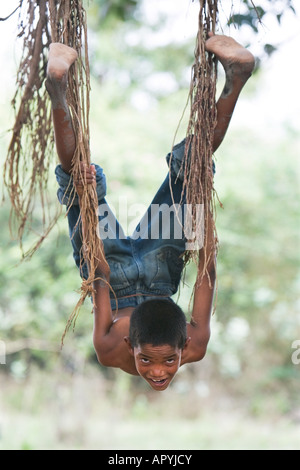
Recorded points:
(29, 155)
(30, 150)
(68, 26)
(26, 169)
(198, 161)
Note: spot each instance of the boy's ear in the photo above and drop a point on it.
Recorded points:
(187, 342)
(130, 348)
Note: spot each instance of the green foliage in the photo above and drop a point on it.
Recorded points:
(253, 15)
(111, 12)
(124, 10)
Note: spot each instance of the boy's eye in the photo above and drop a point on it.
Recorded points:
(144, 360)
(170, 361)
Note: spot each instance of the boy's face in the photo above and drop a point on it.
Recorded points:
(157, 364)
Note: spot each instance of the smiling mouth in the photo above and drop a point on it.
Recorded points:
(159, 383)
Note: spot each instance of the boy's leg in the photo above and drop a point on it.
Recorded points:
(238, 64)
(61, 58)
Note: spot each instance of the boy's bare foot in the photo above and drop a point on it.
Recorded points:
(60, 59)
(236, 60)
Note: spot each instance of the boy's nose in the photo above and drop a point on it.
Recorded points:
(157, 372)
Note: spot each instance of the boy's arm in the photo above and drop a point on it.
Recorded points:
(199, 326)
(109, 333)
(106, 335)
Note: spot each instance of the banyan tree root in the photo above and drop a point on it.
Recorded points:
(32, 144)
(31, 148)
(197, 166)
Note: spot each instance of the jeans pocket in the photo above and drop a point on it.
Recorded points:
(118, 278)
(163, 269)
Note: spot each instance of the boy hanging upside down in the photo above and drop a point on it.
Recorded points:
(144, 333)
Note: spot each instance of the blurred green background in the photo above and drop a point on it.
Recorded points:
(245, 393)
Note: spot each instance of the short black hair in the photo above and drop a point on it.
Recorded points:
(158, 322)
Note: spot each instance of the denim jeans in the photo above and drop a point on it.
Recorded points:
(148, 263)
